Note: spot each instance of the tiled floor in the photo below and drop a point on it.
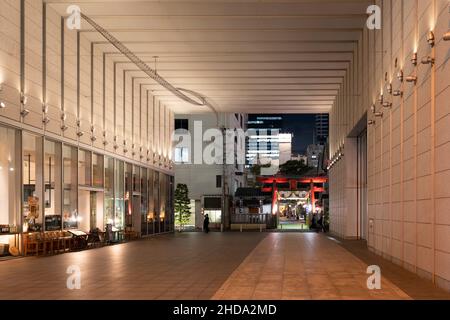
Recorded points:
(184, 266)
(305, 266)
(201, 266)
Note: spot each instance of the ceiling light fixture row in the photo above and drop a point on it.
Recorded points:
(197, 99)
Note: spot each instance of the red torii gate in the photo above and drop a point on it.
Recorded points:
(293, 185)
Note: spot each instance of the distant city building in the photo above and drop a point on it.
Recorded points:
(205, 181)
(314, 155)
(321, 128)
(266, 141)
(299, 157)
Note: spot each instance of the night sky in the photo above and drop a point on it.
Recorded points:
(302, 126)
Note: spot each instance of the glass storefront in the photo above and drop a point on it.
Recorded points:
(109, 191)
(70, 187)
(144, 201)
(32, 185)
(151, 203)
(65, 187)
(9, 185)
(52, 185)
(119, 191)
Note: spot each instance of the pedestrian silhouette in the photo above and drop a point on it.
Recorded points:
(206, 223)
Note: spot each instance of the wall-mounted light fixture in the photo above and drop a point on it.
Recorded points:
(387, 104)
(64, 127)
(63, 116)
(2, 105)
(80, 133)
(23, 99)
(45, 120)
(373, 108)
(24, 112)
(427, 60)
(93, 138)
(400, 75)
(371, 122)
(381, 98)
(397, 93)
(378, 114)
(412, 79)
(44, 108)
(430, 38)
(446, 36)
(389, 88)
(414, 58)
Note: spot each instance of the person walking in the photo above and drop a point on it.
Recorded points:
(206, 223)
(320, 224)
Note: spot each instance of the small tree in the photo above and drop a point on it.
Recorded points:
(182, 205)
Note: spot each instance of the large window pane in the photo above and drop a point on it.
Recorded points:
(32, 181)
(128, 195)
(151, 204)
(70, 187)
(162, 203)
(97, 168)
(119, 190)
(52, 182)
(9, 182)
(156, 200)
(109, 190)
(84, 168)
(144, 201)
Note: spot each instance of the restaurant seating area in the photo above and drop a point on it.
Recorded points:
(56, 242)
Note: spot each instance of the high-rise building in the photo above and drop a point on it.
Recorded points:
(321, 128)
(266, 141)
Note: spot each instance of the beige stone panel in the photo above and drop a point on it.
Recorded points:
(443, 264)
(396, 177)
(424, 164)
(34, 119)
(424, 211)
(409, 210)
(424, 141)
(408, 149)
(409, 232)
(397, 231)
(441, 184)
(443, 238)
(11, 97)
(424, 234)
(408, 169)
(71, 133)
(443, 133)
(424, 91)
(424, 187)
(442, 162)
(443, 211)
(409, 253)
(424, 117)
(424, 258)
(397, 249)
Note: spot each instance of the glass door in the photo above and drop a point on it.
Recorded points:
(362, 184)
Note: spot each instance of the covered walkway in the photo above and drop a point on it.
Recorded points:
(214, 266)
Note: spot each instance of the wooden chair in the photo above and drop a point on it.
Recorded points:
(31, 244)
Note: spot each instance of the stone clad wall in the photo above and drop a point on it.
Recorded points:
(137, 117)
(408, 148)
